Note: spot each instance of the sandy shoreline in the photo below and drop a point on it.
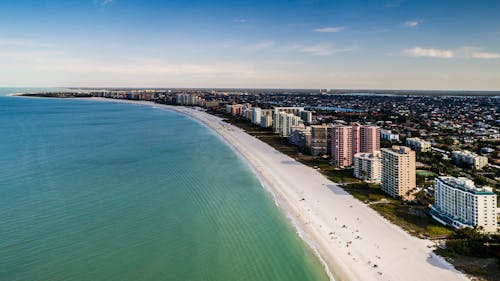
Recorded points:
(354, 241)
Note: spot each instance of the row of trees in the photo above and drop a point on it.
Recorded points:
(471, 242)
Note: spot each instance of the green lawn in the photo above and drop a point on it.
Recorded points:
(426, 174)
(412, 218)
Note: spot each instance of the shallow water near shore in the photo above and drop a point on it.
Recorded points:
(92, 190)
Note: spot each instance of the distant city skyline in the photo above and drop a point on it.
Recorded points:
(392, 44)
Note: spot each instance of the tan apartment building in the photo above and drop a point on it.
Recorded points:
(319, 139)
(398, 172)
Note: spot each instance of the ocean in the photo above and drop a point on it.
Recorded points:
(106, 191)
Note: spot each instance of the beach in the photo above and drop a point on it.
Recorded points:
(353, 241)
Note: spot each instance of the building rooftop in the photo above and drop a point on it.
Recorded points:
(367, 155)
(466, 184)
(398, 149)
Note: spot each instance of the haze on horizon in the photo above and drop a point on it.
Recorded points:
(373, 44)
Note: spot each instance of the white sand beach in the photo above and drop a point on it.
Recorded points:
(353, 240)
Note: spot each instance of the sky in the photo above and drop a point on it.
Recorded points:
(336, 44)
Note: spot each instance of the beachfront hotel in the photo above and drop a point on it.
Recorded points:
(398, 172)
(368, 166)
(459, 203)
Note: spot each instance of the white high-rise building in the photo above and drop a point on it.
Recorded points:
(246, 111)
(256, 115)
(188, 99)
(459, 203)
(276, 116)
(286, 121)
(368, 166)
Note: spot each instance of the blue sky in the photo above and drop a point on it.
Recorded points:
(389, 44)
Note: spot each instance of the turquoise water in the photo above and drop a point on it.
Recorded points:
(106, 191)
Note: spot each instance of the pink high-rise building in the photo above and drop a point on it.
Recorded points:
(236, 109)
(356, 139)
(365, 138)
(341, 146)
(370, 139)
(347, 141)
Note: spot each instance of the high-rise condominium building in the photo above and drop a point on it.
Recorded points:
(187, 99)
(370, 138)
(234, 109)
(341, 137)
(365, 138)
(398, 172)
(319, 140)
(306, 116)
(256, 115)
(301, 136)
(368, 167)
(287, 121)
(276, 116)
(362, 138)
(246, 111)
(459, 203)
(266, 121)
(356, 138)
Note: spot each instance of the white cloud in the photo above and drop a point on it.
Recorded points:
(484, 55)
(419, 52)
(240, 20)
(465, 52)
(329, 29)
(317, 49)
(259, 46)
(412, 23)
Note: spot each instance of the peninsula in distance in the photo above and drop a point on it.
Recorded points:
(235, 140)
